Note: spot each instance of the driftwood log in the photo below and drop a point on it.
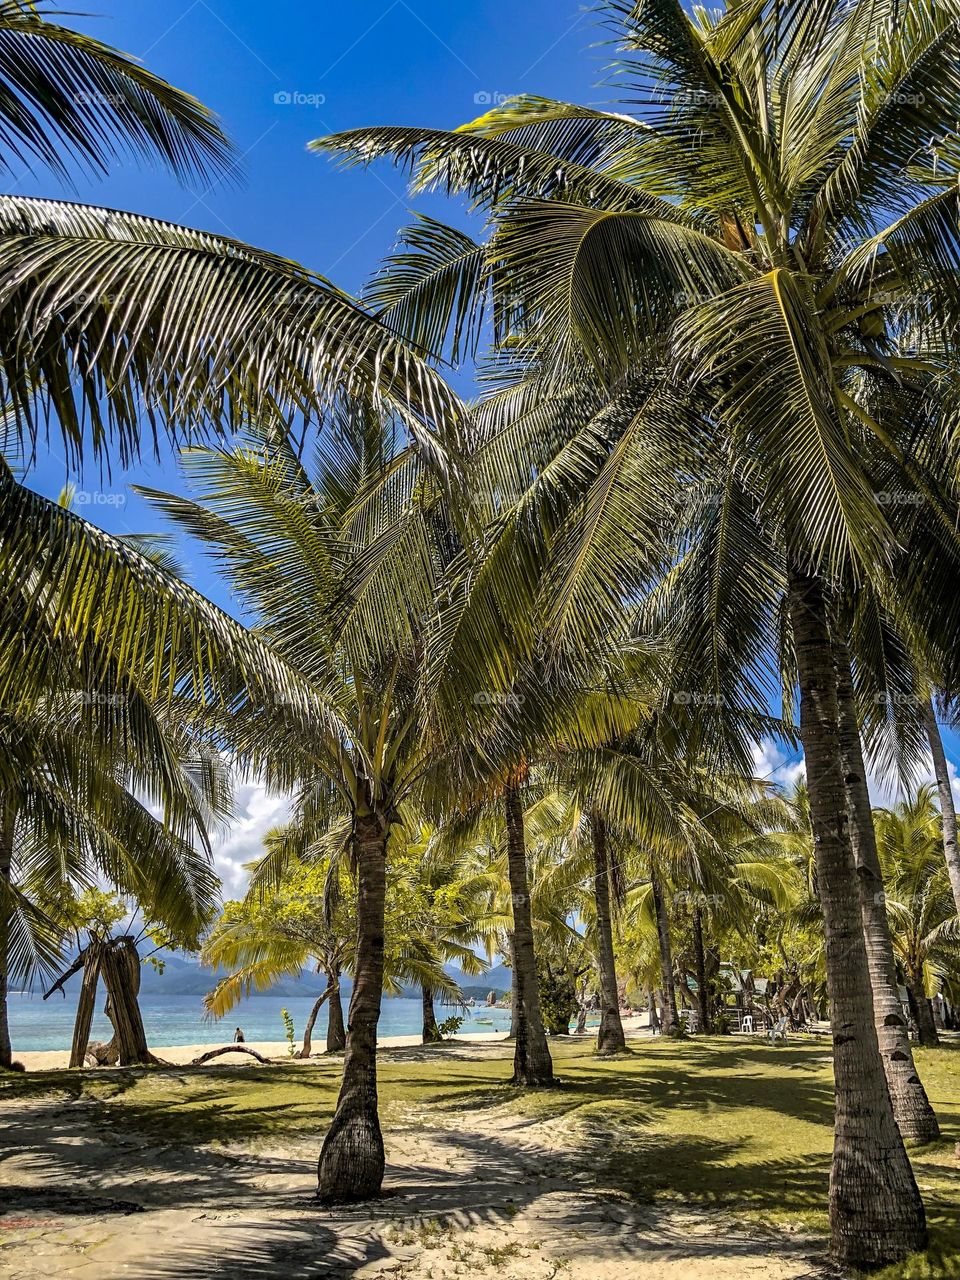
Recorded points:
(230, 1048)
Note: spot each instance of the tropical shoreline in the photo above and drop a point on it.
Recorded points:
(182, 1055)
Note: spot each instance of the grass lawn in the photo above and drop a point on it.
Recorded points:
(721, 1123)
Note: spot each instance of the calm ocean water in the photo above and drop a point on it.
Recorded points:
(172, 1020)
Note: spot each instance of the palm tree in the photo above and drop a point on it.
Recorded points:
(339, 565)
(80, 773)
(948, 810)
(456, 919)
(919, 902)
(775, 215)
(271, 934)
(311, 918)
(610, 1038)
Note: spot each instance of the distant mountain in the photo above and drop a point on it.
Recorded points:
(184, 976)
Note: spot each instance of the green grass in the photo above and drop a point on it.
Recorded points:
(721, 1124)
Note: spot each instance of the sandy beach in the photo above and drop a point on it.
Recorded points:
(182, 1054)
(479, 1183)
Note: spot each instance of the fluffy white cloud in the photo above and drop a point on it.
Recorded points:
(772, 763)
(256, 811)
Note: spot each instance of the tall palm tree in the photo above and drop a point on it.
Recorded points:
(776, 213)
(338, 559)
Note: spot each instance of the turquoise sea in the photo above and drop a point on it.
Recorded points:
(36, 1024)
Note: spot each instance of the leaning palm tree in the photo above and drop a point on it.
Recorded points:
(765, 232)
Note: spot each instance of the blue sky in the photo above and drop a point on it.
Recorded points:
(428, 62)
(281, 75)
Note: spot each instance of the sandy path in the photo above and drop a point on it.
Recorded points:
(473, 1194)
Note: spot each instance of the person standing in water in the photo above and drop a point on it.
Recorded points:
(238, 1036)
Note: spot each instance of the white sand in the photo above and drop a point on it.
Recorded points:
(181, 1054)
(482, 1192)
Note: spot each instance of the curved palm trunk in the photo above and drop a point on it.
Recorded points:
(431, 1032)
(7, 830)
(876, 1213)
(352, 1159)
(927, 1032)
(671, 1019)
(700, 957)
(911, 1107)
(532, 1064)
(336, 1032)
(610, 1038)
(951, 848)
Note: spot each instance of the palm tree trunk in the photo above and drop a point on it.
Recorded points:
(318, 1004)
(915, 1116)
(431, 1032)
(611, 1038)
(352, 1159)
(671, 1019)
(121, 977)
(927, 1032)
(700, 958)
(7, 831)
(513, 989)
(532, 1064)
(948, 809)
(652, 1011)
(336, 1032)
(876, 1213)
(86, 1003)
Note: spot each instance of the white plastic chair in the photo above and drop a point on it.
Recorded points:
(779, 1029)
(746, 1024)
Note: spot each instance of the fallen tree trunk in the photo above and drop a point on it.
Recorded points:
(230, 1048)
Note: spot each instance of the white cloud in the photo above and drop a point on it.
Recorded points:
(256, 811)
(887, 791)
(772, 763)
